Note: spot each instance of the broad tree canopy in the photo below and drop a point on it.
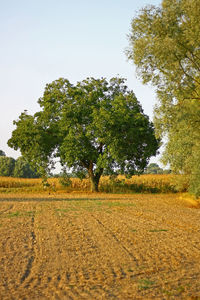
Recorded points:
(94, 125)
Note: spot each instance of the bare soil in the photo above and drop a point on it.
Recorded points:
(100, 247)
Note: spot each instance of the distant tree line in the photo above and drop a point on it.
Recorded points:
(16, 168)
(154, 168)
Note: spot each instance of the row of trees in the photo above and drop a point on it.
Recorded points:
(165, 47)
(15, 168)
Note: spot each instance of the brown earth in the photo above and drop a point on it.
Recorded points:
(100, 247)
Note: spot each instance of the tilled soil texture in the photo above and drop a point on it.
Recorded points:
(109, 247)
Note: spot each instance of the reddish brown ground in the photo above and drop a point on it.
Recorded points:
(111, 247)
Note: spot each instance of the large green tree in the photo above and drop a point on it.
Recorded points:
(165, 47)
(93, 126)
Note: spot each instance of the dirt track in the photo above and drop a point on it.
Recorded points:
(125, 247)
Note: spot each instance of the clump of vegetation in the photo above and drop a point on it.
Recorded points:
(64, 180)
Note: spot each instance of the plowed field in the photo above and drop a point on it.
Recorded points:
(103, 247)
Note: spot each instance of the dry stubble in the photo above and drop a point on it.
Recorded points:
(111, 247)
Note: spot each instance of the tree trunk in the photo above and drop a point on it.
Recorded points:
(94, 178)
(94, 184)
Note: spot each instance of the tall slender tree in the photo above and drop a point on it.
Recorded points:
(165, 46)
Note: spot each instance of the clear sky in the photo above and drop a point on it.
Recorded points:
(43, 40)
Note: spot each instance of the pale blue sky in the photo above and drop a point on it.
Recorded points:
(42, 40)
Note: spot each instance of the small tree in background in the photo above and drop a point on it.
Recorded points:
(153, 168)
(23, 169)
(7, 165)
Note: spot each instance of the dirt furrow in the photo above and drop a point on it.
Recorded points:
(2, 211)
(31, 257)
(116, 239)
(15, 249)
(116, 249)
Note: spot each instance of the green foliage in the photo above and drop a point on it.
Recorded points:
(16, 168)
(164, 44)
(153, 168)
(35, 142)
(93, 126)
(183, 148)
(65, 180)
(2, 153)
(7, 165)
(23, 170)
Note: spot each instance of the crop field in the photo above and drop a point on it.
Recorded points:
(136, 184)
(99, 246)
